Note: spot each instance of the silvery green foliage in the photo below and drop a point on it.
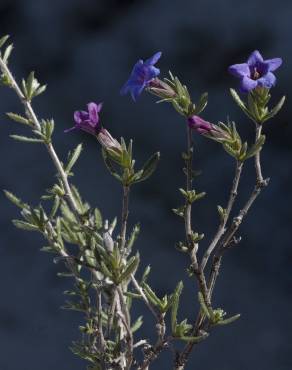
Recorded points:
(98, 256)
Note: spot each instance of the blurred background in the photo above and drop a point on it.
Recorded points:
(84, 50)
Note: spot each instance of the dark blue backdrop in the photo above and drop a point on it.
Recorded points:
(84, 50)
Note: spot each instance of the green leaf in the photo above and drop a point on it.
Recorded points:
(29, 85)
(73, 157)
(110, 166)
(18, 118)
(145, 274)
(204, 307)
(253, 108)
(150, 294)
(15, 200)
(222, 212)
(40, 90)
(7, 53)
(175, 303)
(3, 40)
(105, 270)
(254, 149)
(275, 110)
(131, 267)
(149, 167)
(201, 104)
(137, 324)
(241, 104)
(197, 339)
(229, 320)
(133, 237)
(97, 218)
(25, 225)
(26, 139)
(47, 128)
(48, 249)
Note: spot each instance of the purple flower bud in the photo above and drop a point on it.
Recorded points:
(198, 124)
(108, 142)
(142, 74)
(256, 72)
(207, 129)
(88, 121)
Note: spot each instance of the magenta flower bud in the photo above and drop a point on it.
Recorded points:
(208, 129)
(108, 142)
(200, 125)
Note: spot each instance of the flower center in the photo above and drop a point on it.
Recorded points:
(255, 74)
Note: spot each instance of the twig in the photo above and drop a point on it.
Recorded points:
(29, 112)
(145, 299)
(189, 175)
(125, 214)
(221, 229)
(153, 352)
(258, 169)
(231, 232)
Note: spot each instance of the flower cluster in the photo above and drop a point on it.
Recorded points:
(102, 262)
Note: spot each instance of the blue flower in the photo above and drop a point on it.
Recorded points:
(256, 72)
(141, 76)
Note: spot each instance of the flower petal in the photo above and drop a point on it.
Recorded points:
(247, 84)
(154, 59)
(254, 58)
(80, 116)
(268, 81)
(93, 110)
(151, 73)
(273, 64)
(239, 70)
(136, 91)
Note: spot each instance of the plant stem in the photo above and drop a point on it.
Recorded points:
(193, 247)
(221, 229)
(30, 114)
(258, 169)
(229, 236)
(189, 175)
(125, 214)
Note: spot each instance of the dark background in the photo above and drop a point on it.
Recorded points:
(84, 50)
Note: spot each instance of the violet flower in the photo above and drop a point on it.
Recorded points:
(88, 121)
(256, 72)
(142, 74)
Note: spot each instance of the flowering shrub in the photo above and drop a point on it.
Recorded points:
(104, 269)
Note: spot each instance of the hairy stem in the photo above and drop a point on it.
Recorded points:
(30, 114)
(222, 227)
(230, 234)
(125, 214)
(258, 169)
(189, 175)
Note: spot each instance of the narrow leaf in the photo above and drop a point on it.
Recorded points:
(73, 157)
(26, 139)
(3, 40)
(18, 118)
